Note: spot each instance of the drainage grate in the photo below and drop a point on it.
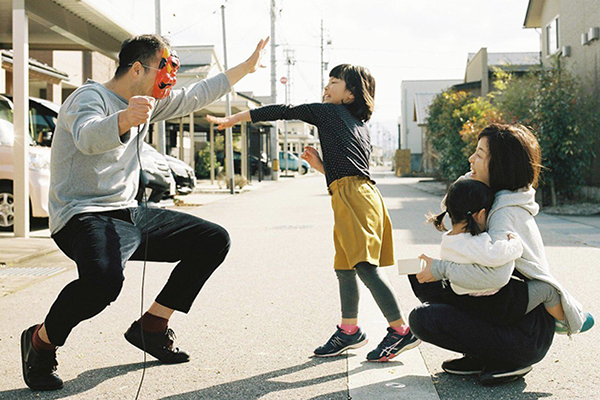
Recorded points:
(30, 271)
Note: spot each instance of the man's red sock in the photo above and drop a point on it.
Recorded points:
(38, 343)
(152, 323)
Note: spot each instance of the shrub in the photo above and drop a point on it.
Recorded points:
(203, 163)
(445, 121)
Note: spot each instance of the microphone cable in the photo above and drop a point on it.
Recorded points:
(145, 233)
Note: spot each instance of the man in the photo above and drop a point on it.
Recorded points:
(94, 218)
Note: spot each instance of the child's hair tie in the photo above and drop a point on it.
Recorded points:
(469, 213)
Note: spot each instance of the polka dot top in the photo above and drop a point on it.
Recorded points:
(345, 141)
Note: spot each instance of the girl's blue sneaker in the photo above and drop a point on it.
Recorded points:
(562, 329)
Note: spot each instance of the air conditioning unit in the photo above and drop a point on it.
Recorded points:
(566, 51)
(594, 33)
(584, 39)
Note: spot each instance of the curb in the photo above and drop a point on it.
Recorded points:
(27, 257)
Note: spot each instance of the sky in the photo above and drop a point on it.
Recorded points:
(395, 39)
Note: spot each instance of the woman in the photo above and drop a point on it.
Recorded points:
(508, 160)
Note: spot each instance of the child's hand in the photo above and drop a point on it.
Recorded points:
(311, 155)
(222, 122)
(426, 275)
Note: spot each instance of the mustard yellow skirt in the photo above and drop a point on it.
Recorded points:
(363, 230)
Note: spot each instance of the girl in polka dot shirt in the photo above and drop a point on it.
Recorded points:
(362, 229)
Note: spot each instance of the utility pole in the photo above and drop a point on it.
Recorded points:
(159, 127)
(289, 57)
(273, 131)
(322, 66)
(228, 132)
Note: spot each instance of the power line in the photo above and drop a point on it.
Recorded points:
(206, 16)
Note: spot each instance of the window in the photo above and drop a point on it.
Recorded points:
(38, 124)
(552, 42)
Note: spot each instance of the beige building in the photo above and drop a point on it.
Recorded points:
(571, 30)
(481, 66)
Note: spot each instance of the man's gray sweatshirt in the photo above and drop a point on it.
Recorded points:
(93, 169)
(512, 211)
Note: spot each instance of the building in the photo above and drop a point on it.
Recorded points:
(571, 31)
(420, 114)
(200, 62)
(412, 136)
(481, 67)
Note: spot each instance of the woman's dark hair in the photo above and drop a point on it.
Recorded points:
(143, 48)
(361, 84)
(465, 197)
(515, 156)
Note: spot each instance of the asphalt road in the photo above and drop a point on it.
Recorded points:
(256, 322)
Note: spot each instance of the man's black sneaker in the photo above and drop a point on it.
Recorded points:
(466, 365)
(496, 376)
(393, 344)
(340, 342)
(39, 367)
(158, 345)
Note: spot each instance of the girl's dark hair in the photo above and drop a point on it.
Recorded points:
(465, 197)
(143, 48)
(361, 84)
(515, 156)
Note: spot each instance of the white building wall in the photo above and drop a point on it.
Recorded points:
(411, 135)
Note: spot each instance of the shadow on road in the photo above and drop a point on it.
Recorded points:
(451, 386)
(256, 387)
(83, 382)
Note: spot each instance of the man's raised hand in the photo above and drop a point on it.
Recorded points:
(255, 60)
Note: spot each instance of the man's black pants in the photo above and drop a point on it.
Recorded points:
(101, 244)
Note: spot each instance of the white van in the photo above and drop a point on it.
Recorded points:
(39, 171)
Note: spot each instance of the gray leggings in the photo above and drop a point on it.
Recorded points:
(541, 292)
(378, 286)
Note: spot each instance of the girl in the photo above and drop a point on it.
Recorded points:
(508, 160)
(468, 203)
(362, 230)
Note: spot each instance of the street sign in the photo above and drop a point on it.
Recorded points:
(283, 80)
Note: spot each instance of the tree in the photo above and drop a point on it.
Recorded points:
(480, 112)
(444, 123)
(565, 117)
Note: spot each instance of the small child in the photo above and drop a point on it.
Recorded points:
(468, 203)
(362, 228)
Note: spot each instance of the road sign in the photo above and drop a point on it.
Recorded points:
(283, 80)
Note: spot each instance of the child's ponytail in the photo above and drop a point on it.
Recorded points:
(472, 226)
(437, 220)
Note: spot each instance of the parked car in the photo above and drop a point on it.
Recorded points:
(39, 176)
(185, 177)
(254, 162)
(42, 119)
(293, 162)
(155, 176)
